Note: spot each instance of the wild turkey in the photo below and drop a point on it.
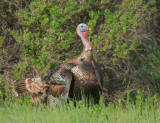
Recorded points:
(79, 74)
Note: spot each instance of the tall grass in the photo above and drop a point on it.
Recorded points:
(142, 110)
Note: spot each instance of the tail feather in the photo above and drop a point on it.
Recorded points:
(30, 86)
(20, 87)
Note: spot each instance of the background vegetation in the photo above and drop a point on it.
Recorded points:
(37, 35)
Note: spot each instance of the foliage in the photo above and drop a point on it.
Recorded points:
(123, 39)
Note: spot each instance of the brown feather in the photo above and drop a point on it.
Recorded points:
(30, 86)
(56, 90)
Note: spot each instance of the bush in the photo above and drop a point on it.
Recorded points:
(123, 39)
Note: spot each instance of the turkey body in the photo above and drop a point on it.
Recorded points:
(81, 74)
(86, 76)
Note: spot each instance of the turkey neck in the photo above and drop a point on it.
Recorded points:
(85, 41)
(86, 54)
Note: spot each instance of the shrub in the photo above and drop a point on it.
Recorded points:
(123, 39)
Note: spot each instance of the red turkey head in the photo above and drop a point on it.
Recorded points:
(81, 31)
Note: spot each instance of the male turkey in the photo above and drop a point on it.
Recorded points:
(79, 74)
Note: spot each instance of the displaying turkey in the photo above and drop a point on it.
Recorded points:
(69, 80)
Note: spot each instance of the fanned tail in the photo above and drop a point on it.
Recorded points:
(33, 87)
(20, 87)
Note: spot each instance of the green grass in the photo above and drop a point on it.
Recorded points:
(145, 111)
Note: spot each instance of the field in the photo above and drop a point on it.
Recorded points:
(145, 110)
(36, 36)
